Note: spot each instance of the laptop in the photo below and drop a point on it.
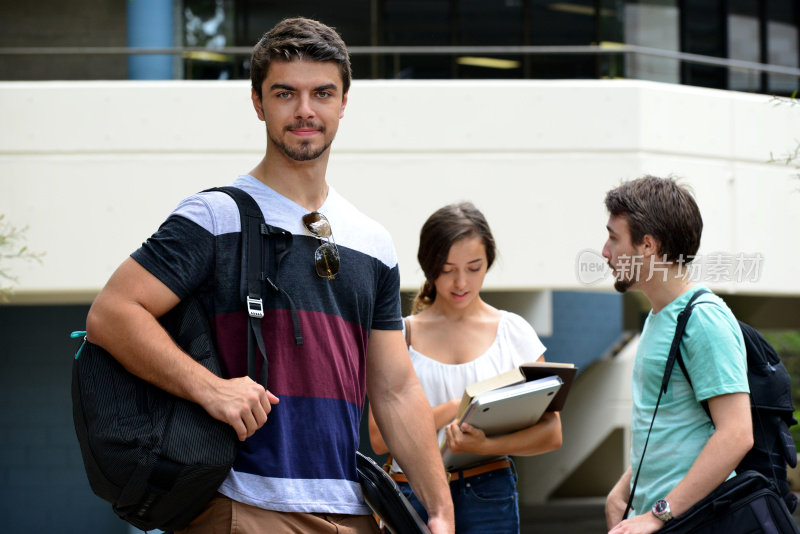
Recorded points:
(501, 411)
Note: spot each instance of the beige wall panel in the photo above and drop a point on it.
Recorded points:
(93, 168)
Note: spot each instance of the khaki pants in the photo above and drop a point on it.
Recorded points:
(226, 516)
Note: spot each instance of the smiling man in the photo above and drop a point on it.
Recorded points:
(295, 471)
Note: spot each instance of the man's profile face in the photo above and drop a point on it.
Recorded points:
(622, 256)
(302, 102)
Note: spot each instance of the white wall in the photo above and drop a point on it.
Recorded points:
(94, 167)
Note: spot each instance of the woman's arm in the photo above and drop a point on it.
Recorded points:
(544, 436)
(442, 414)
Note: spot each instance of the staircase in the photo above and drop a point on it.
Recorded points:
(590, 461)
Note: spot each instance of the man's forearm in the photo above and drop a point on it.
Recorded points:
(727, 446)
(717, 460)
(411, 438)
(617, 499)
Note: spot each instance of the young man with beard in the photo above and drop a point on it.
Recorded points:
(654, 231)
(296, 471)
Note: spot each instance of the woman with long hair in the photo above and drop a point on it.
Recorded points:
(456, 339)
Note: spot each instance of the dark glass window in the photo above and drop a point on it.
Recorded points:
(481, 23)
(703, 27)
(416, 23)
(209, 24)
(652, 24)
(783, 19)
(744, 43)
(758, 31)
(563, 23)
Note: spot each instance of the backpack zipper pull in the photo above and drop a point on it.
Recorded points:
(76, 334)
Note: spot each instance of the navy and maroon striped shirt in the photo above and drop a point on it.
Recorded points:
(303, 459)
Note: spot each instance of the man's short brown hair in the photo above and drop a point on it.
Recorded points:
(299, 38)
(662, 208)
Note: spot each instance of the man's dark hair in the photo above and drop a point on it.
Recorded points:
(663, 209)
(299, 38)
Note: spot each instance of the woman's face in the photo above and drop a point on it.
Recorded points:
(462, 275)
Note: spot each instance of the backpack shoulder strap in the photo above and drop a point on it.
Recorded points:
(674, 352)
(253, 229)
(683, 319)
(675, 347)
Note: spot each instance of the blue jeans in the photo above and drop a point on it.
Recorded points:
(484, 504)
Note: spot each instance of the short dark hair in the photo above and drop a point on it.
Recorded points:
(299, 38)
(442, 229)
(662, 208)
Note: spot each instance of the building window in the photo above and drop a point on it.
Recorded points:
(783, 18)
(744, 43)
(652, 24)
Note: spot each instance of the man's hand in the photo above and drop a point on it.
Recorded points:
(122, 320)
(240, 402)
(641, 524)
(439, 526)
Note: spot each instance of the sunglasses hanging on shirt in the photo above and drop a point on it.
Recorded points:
(326, 257)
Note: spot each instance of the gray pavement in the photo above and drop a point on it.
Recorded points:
(564, 516)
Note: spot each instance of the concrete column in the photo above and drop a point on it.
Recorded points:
(150, 25)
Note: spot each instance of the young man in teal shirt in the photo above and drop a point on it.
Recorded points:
(654, 231)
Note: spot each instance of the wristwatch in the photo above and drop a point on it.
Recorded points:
(661, 510)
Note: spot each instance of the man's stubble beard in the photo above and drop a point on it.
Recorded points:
(303, 152)
(622, 286)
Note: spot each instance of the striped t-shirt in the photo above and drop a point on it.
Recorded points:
(303, 458)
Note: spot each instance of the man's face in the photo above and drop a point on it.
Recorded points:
(623, 257)
(301, 103)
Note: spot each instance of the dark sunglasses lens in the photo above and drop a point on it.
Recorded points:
(326, 260)
(317, 224)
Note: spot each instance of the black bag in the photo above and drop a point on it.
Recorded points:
(746, 503)
(771, 406)
(157, 458)
(384, 497)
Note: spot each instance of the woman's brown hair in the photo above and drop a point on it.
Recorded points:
(443, 228)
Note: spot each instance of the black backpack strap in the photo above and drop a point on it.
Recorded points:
(259, 267)
(679, 355)
(251, 220)
(674, 352)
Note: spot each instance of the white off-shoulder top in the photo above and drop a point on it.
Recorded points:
(516, 343)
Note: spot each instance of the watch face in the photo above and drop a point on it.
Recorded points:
(661, 506)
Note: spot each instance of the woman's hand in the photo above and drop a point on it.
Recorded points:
(466, 438)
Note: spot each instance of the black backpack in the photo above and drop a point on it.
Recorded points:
(771, 405)
(156, 458)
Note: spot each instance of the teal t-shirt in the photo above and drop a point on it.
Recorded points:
(714, 354)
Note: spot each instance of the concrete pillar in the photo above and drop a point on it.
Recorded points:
(150, 25)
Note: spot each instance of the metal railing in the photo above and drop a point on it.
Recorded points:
(602, 49)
